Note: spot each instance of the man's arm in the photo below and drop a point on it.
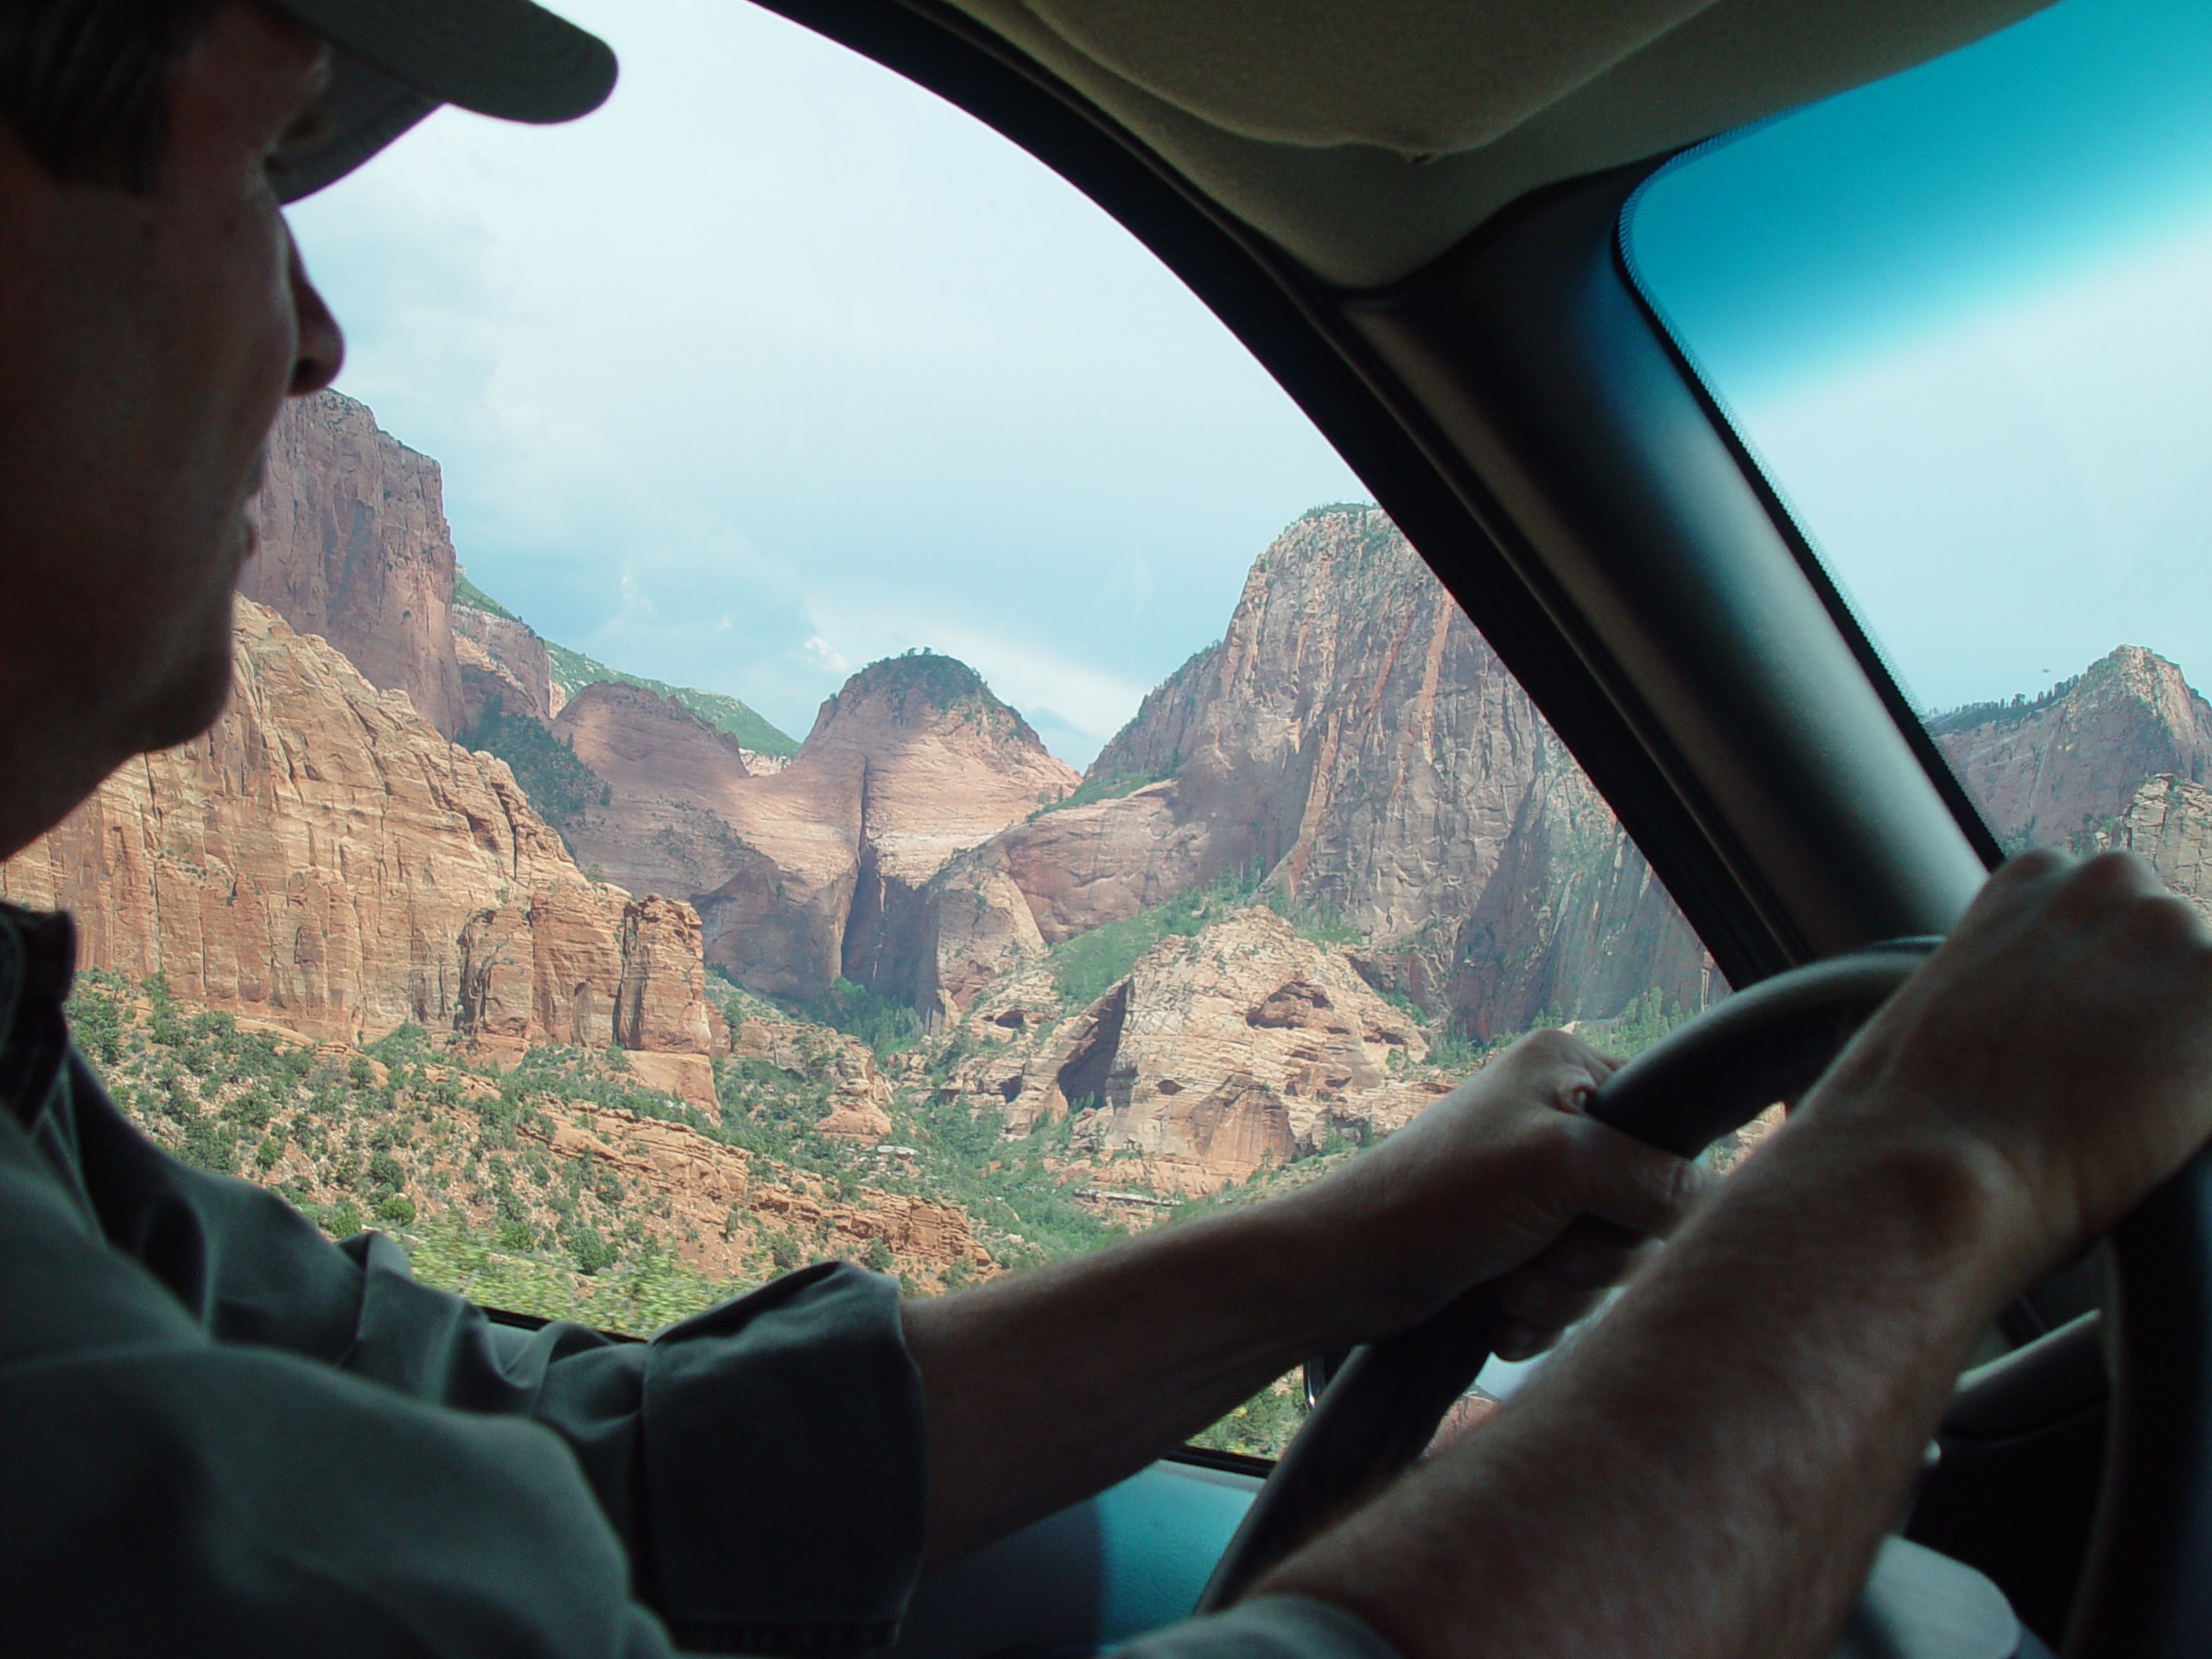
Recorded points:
(1050, 1385)
(1710, 1469)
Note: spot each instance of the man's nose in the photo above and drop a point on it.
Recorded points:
(321, 349)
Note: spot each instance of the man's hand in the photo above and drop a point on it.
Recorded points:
(1709, 1470)
(1505, 1178)
(1047, 1385)
(2064, 1030)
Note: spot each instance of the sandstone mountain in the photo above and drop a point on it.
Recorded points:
(1353, 739)
(913, 762)
(322, 857)
(2047, 771)
(353, 546)
(666, 827)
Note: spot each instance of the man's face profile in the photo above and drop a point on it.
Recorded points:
(146, 341)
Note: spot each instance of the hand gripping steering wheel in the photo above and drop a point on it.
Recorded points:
(2146, 1588)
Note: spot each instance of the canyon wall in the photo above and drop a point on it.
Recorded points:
(504, 662)
(353, 546)
(1354, 740)
(324, 858)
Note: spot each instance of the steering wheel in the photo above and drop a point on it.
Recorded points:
(2147, 1587)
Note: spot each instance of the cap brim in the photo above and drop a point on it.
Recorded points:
(397, 59)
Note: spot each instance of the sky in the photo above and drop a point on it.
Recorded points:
(777, 365)
(1964, 319)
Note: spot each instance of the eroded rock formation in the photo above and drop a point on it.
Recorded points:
(675, 781)
(502, 661)
(1219, 1054)
(1353, 738)
(2169, 823)
(354, 546)
(324, 858)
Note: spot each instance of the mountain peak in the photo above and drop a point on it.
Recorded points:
(2129, 715)
(920, 688)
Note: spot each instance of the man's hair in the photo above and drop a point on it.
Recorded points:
(83, 82)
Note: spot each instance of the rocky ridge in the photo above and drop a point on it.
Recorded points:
(2049, 771)
(911, 763)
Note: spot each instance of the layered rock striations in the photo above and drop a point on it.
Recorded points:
(353, 546)
(323, 858)
(2046, 772)
(911, 763)
(505, 663)
(1353, 740)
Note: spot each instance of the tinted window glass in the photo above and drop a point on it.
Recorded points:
(1962, 318)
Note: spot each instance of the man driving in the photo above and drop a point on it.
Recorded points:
(221, 1434)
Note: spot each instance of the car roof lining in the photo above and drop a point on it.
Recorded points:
(1343, 131)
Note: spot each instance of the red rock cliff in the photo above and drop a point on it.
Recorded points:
(911, 763)
(354, 547)
(1354, 738)
(322, 857)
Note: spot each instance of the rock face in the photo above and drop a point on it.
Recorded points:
(354, 547)
(1218, 1055)
(911, 763)
(676, 781)
(502, 661)
(1354, 739)
(2169, 823)
(323, 858)
(2047, 772)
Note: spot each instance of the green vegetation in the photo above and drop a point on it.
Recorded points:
(1084, 967)
(2021, 706)
(467, 593)
(559, 785)
(886, 1026)
(573, 670)
(1107, 789)
(1263, 1426)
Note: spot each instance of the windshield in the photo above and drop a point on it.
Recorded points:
(1963, 318)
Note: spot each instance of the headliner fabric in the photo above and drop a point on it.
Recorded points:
(1420, 77)
(1365, 214)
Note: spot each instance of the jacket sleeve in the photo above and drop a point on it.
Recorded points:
(162, 1491)
(760, 1463)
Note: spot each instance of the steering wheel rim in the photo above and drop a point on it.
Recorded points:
(2144, 1591)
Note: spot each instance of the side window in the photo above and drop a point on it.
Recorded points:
(1960, 318)
(802, 699)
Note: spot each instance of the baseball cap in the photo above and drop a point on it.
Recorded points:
(395, 60)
